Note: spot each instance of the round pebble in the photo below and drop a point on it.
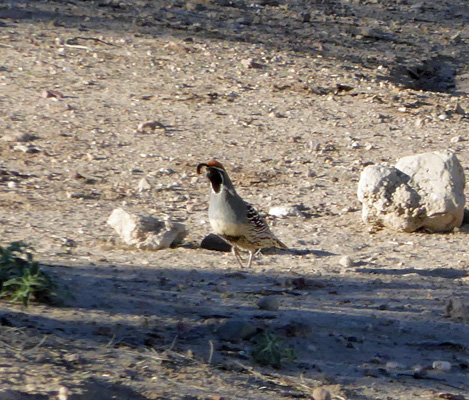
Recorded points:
(320, 393)
(441, 365)
(269, 303)
(346, 262)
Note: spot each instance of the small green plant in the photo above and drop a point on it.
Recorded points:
(21, 277)
(269, 350)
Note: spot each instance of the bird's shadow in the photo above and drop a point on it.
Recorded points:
(216, 243)
(298, 252)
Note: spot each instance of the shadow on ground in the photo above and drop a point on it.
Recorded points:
(334, 324)
(93, 389)
(447, 273)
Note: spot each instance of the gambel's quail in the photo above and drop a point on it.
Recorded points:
(232, 218)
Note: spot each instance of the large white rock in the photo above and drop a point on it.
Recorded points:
(422, 191)
(146, 233)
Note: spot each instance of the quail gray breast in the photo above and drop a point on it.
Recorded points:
(235, 220)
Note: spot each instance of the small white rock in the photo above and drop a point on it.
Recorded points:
(151, 125)
(443, 117)
(12, 185)
(279, 211)
(420, 122)
(20, 147)
(144, 185)
(166, 171)
(75, 195)
(346, 262)
(252, 63)
(393, 365)
(441, 365)
(320, 393)
(283, 211)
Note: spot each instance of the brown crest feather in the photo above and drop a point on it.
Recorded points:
(210, 164)
(199, 167)
(216, 164)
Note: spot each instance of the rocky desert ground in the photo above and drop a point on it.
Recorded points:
(295, 98)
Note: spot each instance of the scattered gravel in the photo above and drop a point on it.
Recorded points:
(112, 104)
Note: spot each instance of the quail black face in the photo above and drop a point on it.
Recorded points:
(215, 177)
(214, 174)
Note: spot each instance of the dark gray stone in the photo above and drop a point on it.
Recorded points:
(216, 243)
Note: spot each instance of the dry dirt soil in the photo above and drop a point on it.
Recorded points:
(295, 98)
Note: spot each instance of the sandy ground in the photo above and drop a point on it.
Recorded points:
(295, 98)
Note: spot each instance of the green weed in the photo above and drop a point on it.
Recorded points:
(269, 350)
(21, 278)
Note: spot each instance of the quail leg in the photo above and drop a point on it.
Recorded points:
(251, 255)
(235, 252)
